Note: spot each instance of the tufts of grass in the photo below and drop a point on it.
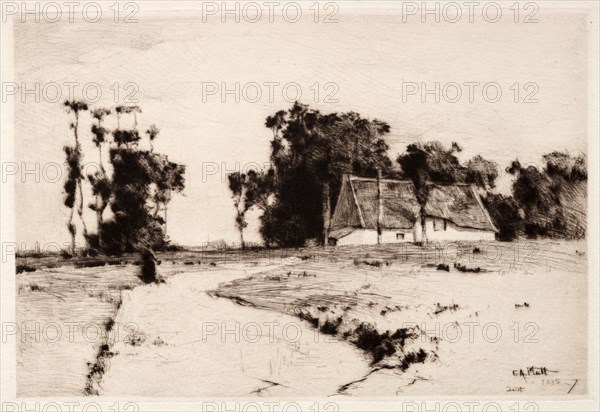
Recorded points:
(135, 339)
(125, 286)
(330, 327)
(384, 345)
(90, 263)
(109, 324)
(25, 268)
(413, 357)
(314, 322)
(34, 287)
(372, 263)
(97, 370)
(388, 309)
(443, 266)
(159, 342)
(463, 268)
(66, 255)
(442, 308)
(379, 345)
(301, 275)
(99, 295)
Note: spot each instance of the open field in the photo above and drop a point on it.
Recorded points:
(501, 318)
(63, 309)
(62, 315)
(428, 331)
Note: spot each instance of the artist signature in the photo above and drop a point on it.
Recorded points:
(537, 371)
(532, 371)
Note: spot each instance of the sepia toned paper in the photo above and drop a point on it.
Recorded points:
(299, 206)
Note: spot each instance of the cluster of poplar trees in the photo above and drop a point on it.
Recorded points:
(133, 186)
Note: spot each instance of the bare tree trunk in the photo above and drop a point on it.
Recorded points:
(80, 211)
(266, 211)
(72, 230)
(326, 212)
(380, 207)
(157, 209)
(243, 244)
(423, 229)
(166, 220)
(100, 156)
(99, 220)
(79, 180)
(99, 200)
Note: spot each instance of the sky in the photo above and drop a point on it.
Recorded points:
(366, 59)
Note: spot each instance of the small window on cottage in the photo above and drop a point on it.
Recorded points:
(399, 236)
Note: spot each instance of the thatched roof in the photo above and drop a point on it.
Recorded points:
(358, 206)
(459, 204)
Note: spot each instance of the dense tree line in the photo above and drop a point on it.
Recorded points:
(310, 152)
(552, 200)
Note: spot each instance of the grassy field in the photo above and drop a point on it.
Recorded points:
(64, 308)
(470, 319)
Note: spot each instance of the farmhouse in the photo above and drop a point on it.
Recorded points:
(358, 210)
(453, 212)
(456, 212)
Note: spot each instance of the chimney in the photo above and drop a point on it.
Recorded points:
(380, 206)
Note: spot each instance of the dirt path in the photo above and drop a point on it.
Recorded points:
(190, 344)
(61, 314)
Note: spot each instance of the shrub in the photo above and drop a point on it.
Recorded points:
(309, 318)
(370, 340)
(330, 327)
(413, 357)
(148, 269)
(25, 268)
(109, 324)
(65, 254)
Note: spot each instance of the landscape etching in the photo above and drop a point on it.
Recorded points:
(360, 204)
